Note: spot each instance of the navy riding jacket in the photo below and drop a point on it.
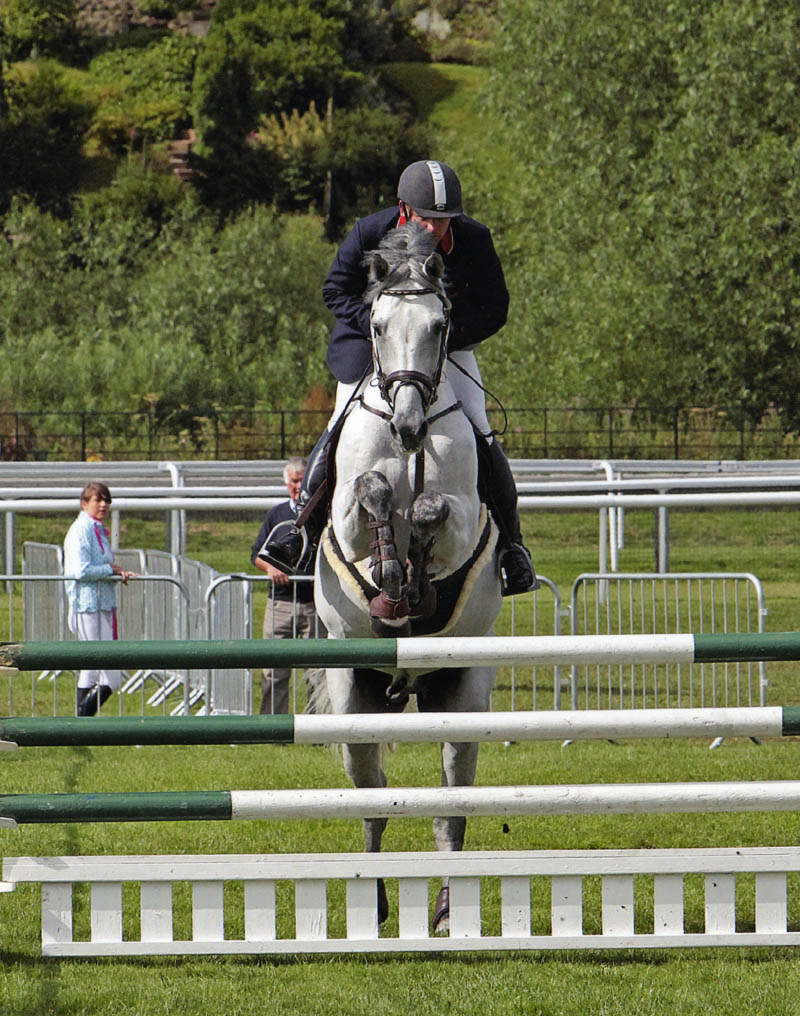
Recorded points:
(475, 285)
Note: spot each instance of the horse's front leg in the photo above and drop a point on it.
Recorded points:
(465, 690)
(389, 610)
(428, 516)
(363, 691)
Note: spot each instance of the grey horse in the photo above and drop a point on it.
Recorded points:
(409, 548)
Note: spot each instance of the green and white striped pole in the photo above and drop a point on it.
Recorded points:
(398, 802)
(47, 731)
(404, 654)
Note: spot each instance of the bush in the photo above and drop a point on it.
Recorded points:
(46, 120)
(144, 89)
(33, 28)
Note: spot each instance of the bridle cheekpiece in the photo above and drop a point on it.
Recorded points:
(425, 385)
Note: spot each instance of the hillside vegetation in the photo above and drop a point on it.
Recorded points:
(635, 164)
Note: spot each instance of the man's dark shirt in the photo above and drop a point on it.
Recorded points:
(282, 513)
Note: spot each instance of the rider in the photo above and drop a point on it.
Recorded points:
(429, 193)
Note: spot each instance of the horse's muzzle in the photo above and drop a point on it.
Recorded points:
(409, 436)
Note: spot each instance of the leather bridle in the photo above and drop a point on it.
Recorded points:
(427, 386)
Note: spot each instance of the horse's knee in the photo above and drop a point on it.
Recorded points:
(429, 512)
(373, 493)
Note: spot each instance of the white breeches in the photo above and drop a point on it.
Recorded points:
(466, 390)
(95, 627)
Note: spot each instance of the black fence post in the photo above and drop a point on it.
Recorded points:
(83, 437)
(544, 427)
(675, 439)
(611, 432)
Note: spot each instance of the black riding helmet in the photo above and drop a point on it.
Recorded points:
(432, 189)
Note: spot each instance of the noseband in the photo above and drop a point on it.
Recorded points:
(425, 385)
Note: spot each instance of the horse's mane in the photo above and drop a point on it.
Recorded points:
(405, 250)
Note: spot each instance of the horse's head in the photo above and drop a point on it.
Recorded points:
(409, 324)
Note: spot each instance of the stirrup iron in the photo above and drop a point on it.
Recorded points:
(266, 553)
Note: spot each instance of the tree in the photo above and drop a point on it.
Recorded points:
(30, 28)
(43, 130)
(655, 215)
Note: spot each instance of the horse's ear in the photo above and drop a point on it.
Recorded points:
(378, 268)
(434, 266)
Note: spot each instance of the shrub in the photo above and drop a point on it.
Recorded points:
(145, 89)
(47, 118)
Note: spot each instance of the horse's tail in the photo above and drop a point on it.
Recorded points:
(318, 701)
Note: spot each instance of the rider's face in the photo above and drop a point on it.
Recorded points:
(438, 227)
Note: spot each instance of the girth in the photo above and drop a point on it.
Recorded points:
(447, 589)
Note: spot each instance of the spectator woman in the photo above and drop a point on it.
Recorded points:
(89, 563)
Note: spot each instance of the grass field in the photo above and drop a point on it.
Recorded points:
(766, 981)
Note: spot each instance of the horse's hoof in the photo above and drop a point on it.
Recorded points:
(441, 913)
(383, 902)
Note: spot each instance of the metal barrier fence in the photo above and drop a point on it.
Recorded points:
(191, 600)
(644, 603)
(134, 628)
(230, 604)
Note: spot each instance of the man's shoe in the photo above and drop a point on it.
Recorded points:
(516, 570)
(284, 548)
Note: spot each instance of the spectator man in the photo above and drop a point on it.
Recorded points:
(290, 612)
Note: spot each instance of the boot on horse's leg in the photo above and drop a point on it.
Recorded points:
(516, 567)
(289, 546)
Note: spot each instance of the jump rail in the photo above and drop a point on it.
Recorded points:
(410, 654)
(395, 802)
(544, 903)
(40, 731)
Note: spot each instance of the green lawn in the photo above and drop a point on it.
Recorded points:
(654, 982)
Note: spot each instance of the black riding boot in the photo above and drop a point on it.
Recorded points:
(89, 700)
(516, 567)
(285, 548)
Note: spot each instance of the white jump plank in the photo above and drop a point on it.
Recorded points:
(668, 905)
(311, 909)
(515, 903)
(208, 921)
(259, 910)
(362, 908)
(106, 907)
(567, 905)
(56, 913)
(720, 904)
(465, 908)
(155, 912)
(413, 921)
(771, 903)
(618, 905)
